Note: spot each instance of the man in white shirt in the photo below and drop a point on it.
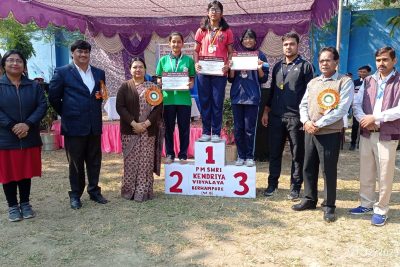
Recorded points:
(327, 99)
(75, 94)
(376, 107)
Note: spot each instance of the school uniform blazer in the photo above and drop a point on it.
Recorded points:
(80, 111)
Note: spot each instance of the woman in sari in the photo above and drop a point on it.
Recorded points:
(140, 134)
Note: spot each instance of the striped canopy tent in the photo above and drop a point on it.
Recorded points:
(120, 29)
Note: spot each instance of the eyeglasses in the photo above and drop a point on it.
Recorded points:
(215, 10)
(82, 52)
(14, 61)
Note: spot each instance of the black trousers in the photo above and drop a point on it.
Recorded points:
(245, 123)
(81, 151)
(10, 190)
(281, 128)
(321, 150)
(181, 114)
(354, 131)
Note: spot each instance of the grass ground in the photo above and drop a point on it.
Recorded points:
(194, 231)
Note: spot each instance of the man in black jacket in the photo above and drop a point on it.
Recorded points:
(74, 92)
(281, 114)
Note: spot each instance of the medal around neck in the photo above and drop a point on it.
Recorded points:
(153, 94)
(328, 99)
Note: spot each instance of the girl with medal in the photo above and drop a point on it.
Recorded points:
(213, 39)
(245, 97)
(177, 103)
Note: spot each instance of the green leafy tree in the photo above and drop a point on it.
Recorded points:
(392, 22)
(14, 35)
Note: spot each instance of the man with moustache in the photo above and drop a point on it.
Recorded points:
(74, 92)
(377, 108)
(363, 72)
(281, 114)
(325, 102)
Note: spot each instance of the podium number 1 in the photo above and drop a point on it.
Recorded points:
(175, 188)
(210, 155)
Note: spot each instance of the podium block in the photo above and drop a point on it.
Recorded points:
(209, 153)
(224, 181)
(177, 178)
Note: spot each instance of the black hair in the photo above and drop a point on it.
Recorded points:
(249, 33)
(386, 49)
(330, 49)
(81, 44)
(175, 34)
(366, 67)
(8, 54)
(205, 22)
(137, 59)
(291, 35)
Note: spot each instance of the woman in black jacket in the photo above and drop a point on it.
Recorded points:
(22, 106)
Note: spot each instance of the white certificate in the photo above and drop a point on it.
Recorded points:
(175, 80)
(245, 60)
(211, 66)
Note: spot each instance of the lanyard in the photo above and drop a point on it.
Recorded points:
(291, 67)
(215, 37)
(381, 89)
(177, 63)
(382, 85)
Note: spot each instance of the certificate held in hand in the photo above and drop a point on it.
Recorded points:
(245, 60)
(175, 80)
(211, 66)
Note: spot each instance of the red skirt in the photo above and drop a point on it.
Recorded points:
(19, 164)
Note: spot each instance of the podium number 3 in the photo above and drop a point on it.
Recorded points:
(175, 188)
(242, 183)
(210, 155)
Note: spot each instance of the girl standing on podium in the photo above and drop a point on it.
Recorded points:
(213, 39)
(177, 103)
(245, 98)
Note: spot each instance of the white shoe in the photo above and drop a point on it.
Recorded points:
(204, 138)
(168, 159)
(215, 138)
(239, 162)
(250, 163)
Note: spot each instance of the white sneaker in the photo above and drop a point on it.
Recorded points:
(239, 162)
(204, 138)
(215, 138)
(250, 163)
(168, 159)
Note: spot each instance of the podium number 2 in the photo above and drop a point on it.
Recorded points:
(210, 155)
(242, 183)
(175, 188)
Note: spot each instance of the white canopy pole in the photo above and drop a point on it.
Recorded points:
(339, 25)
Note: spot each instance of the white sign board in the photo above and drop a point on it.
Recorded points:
(209, 176)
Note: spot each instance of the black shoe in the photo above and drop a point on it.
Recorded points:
(270, 190)
(329, 217)
(75, 203)
(294, 195)
(304, 205)
(352, 147)
(98, 198)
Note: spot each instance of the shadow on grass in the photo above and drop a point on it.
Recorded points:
(167, 231)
